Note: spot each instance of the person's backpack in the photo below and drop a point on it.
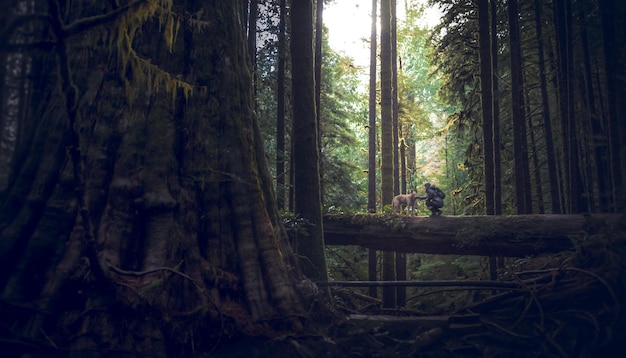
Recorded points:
(439, 192)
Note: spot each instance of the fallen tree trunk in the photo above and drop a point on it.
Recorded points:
(509, 236)
(445, 283)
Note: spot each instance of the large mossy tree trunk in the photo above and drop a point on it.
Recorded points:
(177, 191)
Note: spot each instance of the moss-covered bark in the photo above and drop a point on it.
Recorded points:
(180, 200)
(512, 236)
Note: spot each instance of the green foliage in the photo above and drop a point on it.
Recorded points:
(423, 112)
(455, 59)
(347, 263)
(343, 116)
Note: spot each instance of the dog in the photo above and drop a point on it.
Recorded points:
(406, 200)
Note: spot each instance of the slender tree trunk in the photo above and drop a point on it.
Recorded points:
(535, 161)
(599, 140)
(387, 151)
(572, 173)
(545, 114)
(387, 181)
(371, 174)
(307, 199)
(318, 81)
(612, 13)
(394, 100)
(292, 176)
(484, 42)
(403, 165)
(400, 257)
(280, 110)
(497, 167)
(560, 162)
(252, 18)
(520, 143)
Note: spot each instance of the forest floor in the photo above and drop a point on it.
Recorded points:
(569, 304)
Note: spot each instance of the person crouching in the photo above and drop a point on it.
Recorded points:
(434, 199)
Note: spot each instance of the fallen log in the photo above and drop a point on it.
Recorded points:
(435, 283)
(499, 235)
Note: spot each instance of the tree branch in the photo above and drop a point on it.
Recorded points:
(92, 21)
(69, 30)
(144, 273)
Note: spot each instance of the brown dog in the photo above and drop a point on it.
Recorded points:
(404, 200)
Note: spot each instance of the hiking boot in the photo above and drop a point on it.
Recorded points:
(436, 213)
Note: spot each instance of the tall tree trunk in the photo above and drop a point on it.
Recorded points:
(534, 153)
(599, 140)
(495, 122)
(387, 181)
(484, 42)
(403, 165)
(572, 188)
(318, 81)
(400, 257)
(545, 114)
(520, 143)
(252, 18)
(612, 13)
(371, 167)
(184, 220)
(386, 133)
(497, 161)
(394, 99)
(305, 150)
(280, 109)
(371, 174)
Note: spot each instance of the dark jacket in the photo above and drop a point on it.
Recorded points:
(432, 198)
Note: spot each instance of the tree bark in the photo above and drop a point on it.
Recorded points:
(612, 13)
(598, 149)
(305, 149)
(394, 99)
(497, 153)
(397, 170)
(520, 143)
(371, 167)
(545, 114)
(386, 105)
(565, 78)
(184, 220)
(509, 236)
(486, 100)
(280, 110)
(386, 133)
(319, 25)
(371, 174)
(252, 31)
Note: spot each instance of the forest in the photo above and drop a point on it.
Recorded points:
(184, 178)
